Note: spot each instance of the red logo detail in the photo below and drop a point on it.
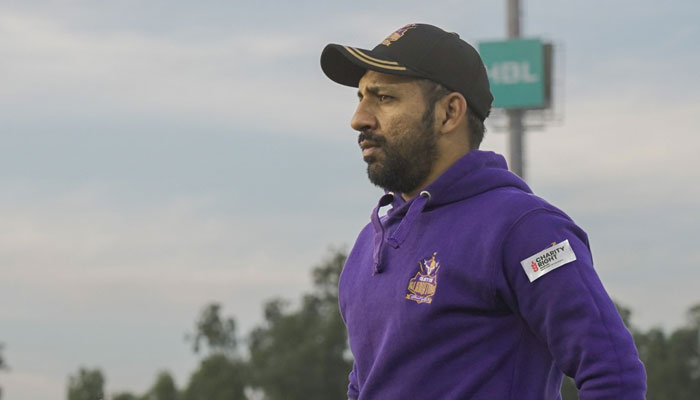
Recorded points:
(534, 266)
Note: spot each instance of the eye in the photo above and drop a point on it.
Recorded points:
(384, 98)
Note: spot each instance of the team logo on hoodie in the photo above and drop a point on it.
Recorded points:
(421, 287)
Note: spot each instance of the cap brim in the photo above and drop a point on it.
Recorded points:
(346, 65)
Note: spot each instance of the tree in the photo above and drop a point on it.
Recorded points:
(301, 354)
(218, 378)
(163, 389)
(86, 385)
(672, 361)
(218, 334)
(694, 344)
(222, 374)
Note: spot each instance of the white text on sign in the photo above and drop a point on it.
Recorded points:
(511, 72)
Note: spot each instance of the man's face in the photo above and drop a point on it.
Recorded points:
(397, 133)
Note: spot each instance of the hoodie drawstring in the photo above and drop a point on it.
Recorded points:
(406, 224)
(399, 235)
(379, 231)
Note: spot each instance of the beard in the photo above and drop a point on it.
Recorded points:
(408, 159)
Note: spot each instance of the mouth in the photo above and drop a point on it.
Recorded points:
(368, 148)
(370, 143)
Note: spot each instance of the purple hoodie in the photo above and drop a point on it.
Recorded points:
(439, 304)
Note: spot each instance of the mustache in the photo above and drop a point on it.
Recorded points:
(371, 136)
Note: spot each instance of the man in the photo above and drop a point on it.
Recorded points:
(470, 287)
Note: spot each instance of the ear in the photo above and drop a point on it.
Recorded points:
(453, 112)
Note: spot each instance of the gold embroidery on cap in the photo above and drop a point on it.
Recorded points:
(374, 59)
(369, 61)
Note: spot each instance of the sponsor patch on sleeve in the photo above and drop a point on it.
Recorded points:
(548, 260)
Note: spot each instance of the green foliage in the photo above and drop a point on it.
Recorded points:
(218, 378)
(694, 316)
(299, 354)
(222, 375)
(163, 389)
(672, 361)
(219, 334)
(125, 396)
(86, 385)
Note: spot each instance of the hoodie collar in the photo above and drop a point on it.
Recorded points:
(475, 173)
(414, 208)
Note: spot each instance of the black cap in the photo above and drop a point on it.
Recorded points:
(418, 50)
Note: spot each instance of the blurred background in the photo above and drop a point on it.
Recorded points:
(168, 169)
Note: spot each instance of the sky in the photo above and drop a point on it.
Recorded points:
(160, 155)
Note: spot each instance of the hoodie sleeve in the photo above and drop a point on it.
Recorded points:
(353, 391)
(568, 308)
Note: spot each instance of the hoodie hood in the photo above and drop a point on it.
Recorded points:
(475, 173)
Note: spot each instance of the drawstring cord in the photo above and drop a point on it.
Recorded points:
(405, 226)
(401, 232)
(379, 231)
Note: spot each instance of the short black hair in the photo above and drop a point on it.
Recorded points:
(433, 92)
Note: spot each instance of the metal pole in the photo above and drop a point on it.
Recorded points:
(515, 117)
(515, 124)
(513, 15)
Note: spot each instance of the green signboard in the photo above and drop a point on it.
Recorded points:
(517, 72)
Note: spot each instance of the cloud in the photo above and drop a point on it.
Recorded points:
(87, 238)
(238, 79)
(242, 77)
(642, 147)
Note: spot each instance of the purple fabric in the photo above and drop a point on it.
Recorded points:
(379, 232)
(417, 206)
(452, 314)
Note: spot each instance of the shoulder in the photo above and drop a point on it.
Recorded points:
(509, 208)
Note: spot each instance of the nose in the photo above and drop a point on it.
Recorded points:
(363, 118)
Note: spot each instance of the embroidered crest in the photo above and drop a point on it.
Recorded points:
(422, 287)
(397, 35)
